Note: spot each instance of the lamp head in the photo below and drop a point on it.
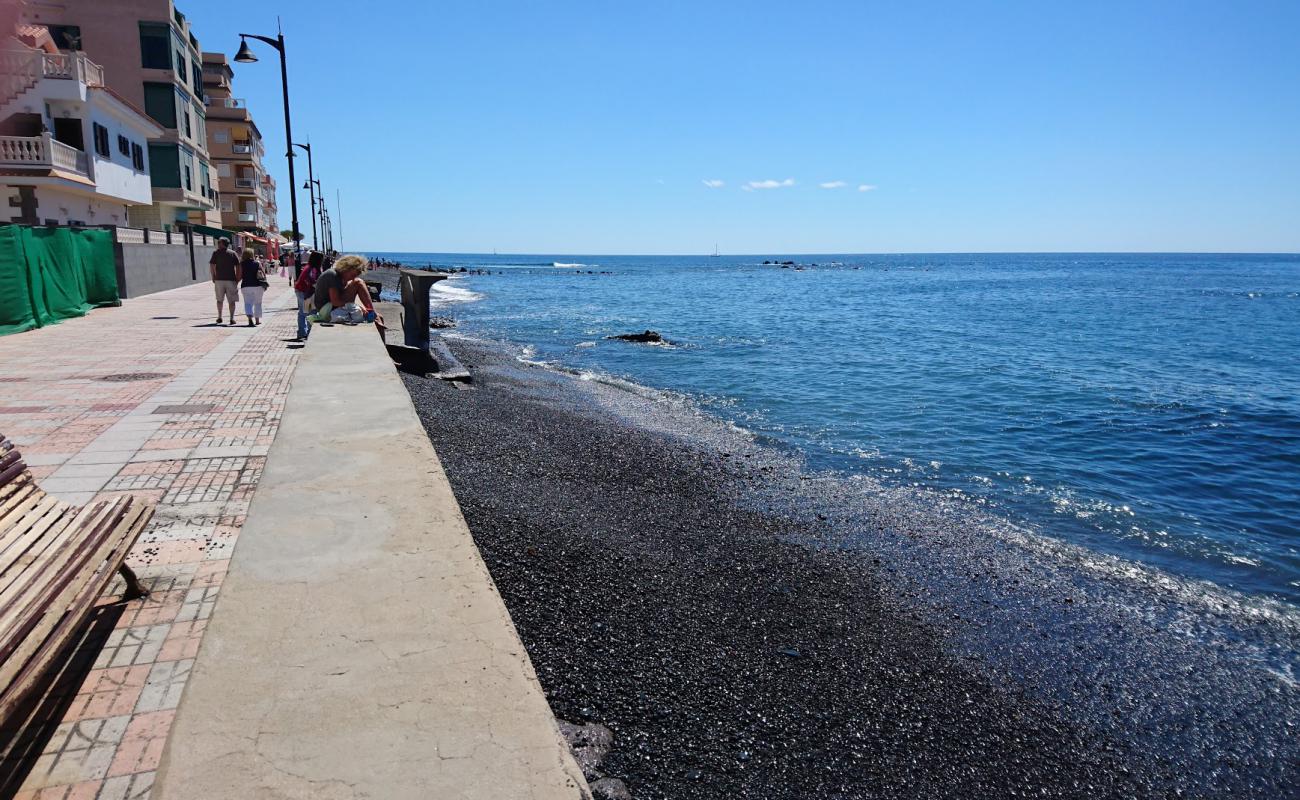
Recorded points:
(245, 54)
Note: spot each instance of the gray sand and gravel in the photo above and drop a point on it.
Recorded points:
(696, 594)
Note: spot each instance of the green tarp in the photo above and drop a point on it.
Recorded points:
(52, 274)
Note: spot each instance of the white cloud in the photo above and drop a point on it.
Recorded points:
(714, 184)
(768, 184)
(833, 185)
(865, 187)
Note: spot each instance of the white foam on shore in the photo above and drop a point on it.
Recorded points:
(444, 293)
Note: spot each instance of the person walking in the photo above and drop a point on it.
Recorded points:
(224, 268)
(305, 289)
(253, 285)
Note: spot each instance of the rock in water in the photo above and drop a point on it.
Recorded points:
(647, 337)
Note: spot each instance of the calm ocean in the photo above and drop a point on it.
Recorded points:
(1143, 406)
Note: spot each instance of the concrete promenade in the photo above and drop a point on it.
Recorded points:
(360, 648)
(153, 399)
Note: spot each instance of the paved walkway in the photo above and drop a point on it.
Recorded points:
(151, 399)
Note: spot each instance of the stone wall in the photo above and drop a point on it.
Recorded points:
(147, 268)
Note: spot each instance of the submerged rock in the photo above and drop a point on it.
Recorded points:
(648, 336)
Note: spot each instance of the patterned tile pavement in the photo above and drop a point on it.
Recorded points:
(154, 400)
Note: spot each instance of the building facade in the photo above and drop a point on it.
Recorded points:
(72, 150)
(247, 192)
(151, 59)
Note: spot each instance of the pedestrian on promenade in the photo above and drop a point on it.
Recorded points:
(305, 290)
(224, 268)
(253, 285)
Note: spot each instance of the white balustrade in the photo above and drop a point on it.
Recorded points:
(42, 151)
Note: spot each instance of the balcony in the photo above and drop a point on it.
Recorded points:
(245, 216)
(41, 152)
(241, 147)
(21, 71)
(245, 183)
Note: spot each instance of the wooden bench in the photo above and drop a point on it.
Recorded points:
(56, 560)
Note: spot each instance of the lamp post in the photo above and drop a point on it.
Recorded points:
(247, 56)
(316, 208)
(307, 186)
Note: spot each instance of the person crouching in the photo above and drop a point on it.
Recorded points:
(342, 296)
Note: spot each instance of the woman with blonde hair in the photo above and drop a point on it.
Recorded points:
(340, 290)
(252, 285)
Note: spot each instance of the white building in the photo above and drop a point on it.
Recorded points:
(72, 151)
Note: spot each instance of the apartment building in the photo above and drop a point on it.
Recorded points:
(247, 192)
(72, 151)
(152, 60)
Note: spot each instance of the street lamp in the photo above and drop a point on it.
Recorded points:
(247, 56)
(316, 208)
(307, 185)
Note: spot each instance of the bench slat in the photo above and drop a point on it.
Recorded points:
(28, 543)
(64, 629)
(55, 563)
(26, 595)
(76, 564)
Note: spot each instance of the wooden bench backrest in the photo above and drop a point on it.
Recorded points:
(55, 562)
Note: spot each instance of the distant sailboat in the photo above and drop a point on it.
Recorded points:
(715, 251)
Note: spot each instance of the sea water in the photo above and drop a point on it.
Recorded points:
(1141, 406)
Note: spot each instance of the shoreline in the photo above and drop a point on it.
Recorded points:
(737, 648)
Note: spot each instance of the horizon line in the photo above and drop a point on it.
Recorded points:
(770, 253)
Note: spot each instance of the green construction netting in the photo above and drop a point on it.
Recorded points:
(52, 274)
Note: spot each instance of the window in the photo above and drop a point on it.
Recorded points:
(205, 185)
(101, 140)
(180, 67)
(227, 204)
(123, 145)
(200, 127)
(165, 166)
(189, 132)
(155, 45)
(189, 179)
(221, 136)
(137, 157)
(196, 74)
(160, 103)
(223, 170)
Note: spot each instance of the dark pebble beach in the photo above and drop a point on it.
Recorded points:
(732, 652)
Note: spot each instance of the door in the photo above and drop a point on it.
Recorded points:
(68, 130)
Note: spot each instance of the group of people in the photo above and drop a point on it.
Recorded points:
(328, 290)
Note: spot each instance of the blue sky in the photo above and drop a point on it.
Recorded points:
(593, 127)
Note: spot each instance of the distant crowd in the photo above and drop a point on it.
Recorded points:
(328, 286)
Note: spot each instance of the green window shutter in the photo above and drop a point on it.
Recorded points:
(160, 103)
(164, 166)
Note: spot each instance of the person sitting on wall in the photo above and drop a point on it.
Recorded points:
(342, 296)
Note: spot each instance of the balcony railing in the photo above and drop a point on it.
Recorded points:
(19, 71)
(227, 102)
(244, 216)
(241, 147)
(245, 183)
(41, 152)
